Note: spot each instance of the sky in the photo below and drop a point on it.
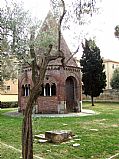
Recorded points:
(101, 27)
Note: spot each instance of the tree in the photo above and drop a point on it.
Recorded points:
(93, 76)
(14, 27)
(115, 79)
(16, 36)
(116, 33)
(38, 73)
(14, 24)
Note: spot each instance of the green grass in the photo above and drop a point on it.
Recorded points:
(8, 153)
(99, 144)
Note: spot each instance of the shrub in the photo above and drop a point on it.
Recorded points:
(8, 104)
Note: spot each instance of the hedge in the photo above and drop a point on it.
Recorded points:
(8, 104)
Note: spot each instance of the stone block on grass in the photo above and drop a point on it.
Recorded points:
(58, 136)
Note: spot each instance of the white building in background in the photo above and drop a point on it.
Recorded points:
(10, 91)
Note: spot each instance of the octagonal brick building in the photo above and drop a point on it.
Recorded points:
(61, 89)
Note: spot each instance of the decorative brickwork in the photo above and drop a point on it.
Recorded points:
(61, 89)
(68, 90)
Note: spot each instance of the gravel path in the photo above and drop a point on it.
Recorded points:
(85, 112)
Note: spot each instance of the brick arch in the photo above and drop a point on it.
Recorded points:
(23, 81)
(49, 88)
(73, 74)
(51, 80)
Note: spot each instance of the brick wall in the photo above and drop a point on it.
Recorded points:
(54, 74)
(47, 105)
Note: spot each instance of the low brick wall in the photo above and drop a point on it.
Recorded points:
(47, 105)
(107, 95)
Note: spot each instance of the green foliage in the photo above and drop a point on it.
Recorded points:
(15, 27)
(14, 23)
(47, 35)
(93, 76)
(8, 104)
(115, 79)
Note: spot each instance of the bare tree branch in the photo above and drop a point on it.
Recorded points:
(33, 56)
(72, 55)
(60, 23)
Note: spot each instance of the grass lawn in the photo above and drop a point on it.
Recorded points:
(98, 135)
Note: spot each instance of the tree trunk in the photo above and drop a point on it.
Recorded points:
(27, 137)
(27, 141)
(38, 74)
(92, 100)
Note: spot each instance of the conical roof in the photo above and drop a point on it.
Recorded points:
(51, 23)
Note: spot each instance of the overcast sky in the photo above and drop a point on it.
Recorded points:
(102, 26)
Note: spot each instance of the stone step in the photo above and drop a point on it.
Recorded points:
(40, 136)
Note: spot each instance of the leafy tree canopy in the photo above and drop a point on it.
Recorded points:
(14, 22)
(15, 28)
(115, 79)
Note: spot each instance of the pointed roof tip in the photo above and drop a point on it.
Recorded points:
(51, 22)
(50, 12)
(50, 15)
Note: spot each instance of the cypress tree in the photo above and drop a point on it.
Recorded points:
(93, 75)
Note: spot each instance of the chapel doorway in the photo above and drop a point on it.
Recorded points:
(71, 94)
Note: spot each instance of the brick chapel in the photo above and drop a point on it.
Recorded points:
(61, 89)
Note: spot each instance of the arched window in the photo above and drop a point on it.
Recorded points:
(23, 91)
(26, 90)
(47, 89)
(53, 89)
